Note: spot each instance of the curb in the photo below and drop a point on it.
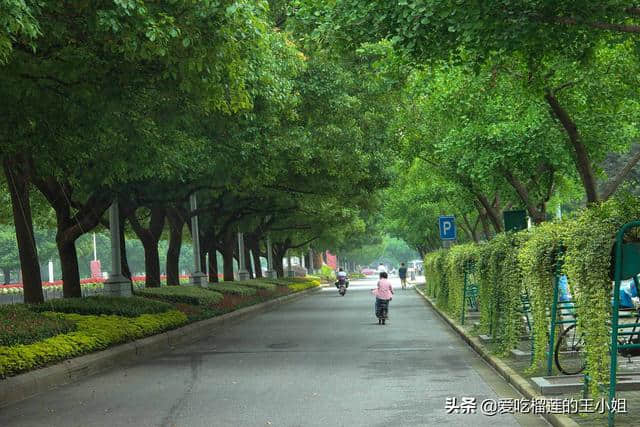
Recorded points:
(511, 376)
(23, 386)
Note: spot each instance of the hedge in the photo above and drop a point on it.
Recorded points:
(119, 306)
(578, 246)
(93, 333)
(233, 288)
(19, 325)
(297, 287)
(194, 295)
(258, 284)
(90, 286)
(285, 281)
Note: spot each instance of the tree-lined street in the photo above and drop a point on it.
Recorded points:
(319, 361)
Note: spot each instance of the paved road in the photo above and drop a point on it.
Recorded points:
(320, 361)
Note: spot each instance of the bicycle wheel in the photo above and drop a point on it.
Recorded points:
(569, 353)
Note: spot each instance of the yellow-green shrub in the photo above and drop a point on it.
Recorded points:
(297, 287)
(93, 333)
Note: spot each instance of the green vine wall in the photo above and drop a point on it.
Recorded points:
(527, 260)
(538, 258)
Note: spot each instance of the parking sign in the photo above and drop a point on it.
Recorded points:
(447, 227)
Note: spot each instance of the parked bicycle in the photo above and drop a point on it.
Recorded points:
(569, 354)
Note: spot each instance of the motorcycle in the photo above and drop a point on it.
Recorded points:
(342, 284)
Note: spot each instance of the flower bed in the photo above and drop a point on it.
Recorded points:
(19, 325)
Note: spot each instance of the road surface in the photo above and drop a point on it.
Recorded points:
(320, 361)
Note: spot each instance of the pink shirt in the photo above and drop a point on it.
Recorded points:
(384, 291)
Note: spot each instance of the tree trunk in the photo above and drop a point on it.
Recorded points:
(469, 229)
(69, 263)
(228, 249)
(482, 215)
(71, 225)
(213, 265)
(537, 213)
(151, 265)
(317, 264)
(247, 259)
(176, 224)
(492, 213)
(150, 238)
(278, 267)
(6, 272)
(581, 157)
(278, 257)
(23, 223)
(614, 183)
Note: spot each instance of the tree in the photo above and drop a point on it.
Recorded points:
(567, 47)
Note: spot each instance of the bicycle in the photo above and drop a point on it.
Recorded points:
(569, 353)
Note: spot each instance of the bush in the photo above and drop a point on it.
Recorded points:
(232, 288)
(119, 306)
(194, 295)
(297, 287)
(93, 333)
(19, 325)
(257, 284)
(327, 273)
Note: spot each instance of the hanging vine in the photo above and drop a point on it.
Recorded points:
(538, 258)
(513, 262)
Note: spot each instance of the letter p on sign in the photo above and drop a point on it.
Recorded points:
(447, 227)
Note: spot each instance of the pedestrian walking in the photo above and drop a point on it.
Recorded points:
(402, 273)
(383, 294)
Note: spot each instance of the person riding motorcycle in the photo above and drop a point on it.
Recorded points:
(342, 275)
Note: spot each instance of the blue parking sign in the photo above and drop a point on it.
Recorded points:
(447, 227)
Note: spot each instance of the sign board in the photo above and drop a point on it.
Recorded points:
(447, 227)
(515, 220)
(96, 269)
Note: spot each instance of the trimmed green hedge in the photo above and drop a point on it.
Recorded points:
(232, 288)
(194, 295)
(259, 284)
(119, 306)
(93, 333)
(19, 325)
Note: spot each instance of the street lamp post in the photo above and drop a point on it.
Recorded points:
(271, 273)
(197, 277)
(243, 273)
(116, 284)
